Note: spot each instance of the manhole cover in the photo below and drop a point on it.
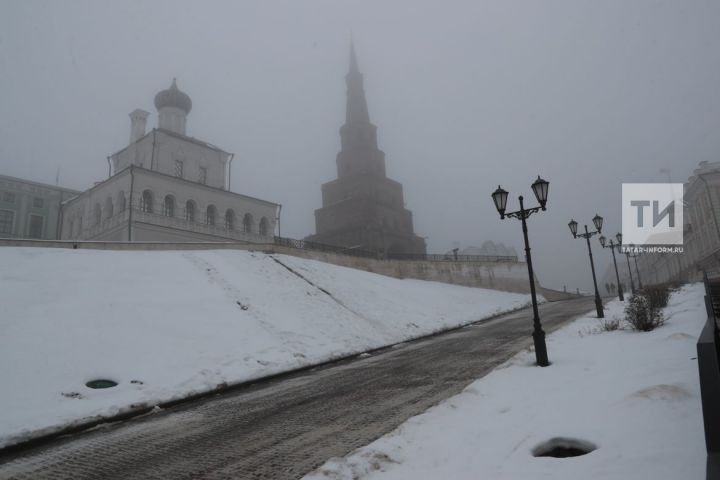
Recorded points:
(562, 447)
(101, 383)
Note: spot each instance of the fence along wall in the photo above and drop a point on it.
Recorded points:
(498, 275)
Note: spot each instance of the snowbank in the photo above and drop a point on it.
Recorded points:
(635, 396)
(165, 325)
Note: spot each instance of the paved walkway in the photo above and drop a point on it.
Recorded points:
(287, 427)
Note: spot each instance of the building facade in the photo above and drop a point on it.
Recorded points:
(31, 209)
(702, 211)
(363, 208)
(701, 236)
(168, 186)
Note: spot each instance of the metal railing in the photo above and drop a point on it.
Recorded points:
(709, 369)
(357, 252)
(322, 247)
(446, 257)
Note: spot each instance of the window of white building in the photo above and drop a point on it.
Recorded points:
(190, 211)
(210, 215)
(229, 219)
(97, 214)
(109, 210)
(202, 178)
(35, 230)
(7, 218)
(169, 206)
(146, 203)
(179, 168)
(247, 223)
(121, 202)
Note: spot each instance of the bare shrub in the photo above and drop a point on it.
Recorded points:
(641, 315)
(609, 325)
(657, 295)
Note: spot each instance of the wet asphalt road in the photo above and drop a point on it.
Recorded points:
(286, 427)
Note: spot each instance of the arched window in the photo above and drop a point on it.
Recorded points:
(210, 215)
(263, 226)
(97, 214)
(146, 204)
(109, 211)
(121, 202)
(247, 223)
(229, 219)
(190, 211)
(169, 206)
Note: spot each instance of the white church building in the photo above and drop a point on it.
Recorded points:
(167, 186)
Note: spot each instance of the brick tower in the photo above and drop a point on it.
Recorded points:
(363, 209)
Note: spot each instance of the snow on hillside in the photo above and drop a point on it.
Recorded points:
(634, 396)
(165, 324)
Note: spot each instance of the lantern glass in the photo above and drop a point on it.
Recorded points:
(598, 222)
(500, 197)
(573, 227)
(602, 240)
(540, 188)
(619, 238)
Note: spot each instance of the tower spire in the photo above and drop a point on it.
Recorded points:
(357, 111)
(353, 58)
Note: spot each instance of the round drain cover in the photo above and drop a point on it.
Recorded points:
(101, 383)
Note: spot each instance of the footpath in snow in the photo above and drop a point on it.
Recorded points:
(165, 325)
(634, 395)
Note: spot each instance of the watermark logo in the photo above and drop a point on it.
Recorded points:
(652, 213)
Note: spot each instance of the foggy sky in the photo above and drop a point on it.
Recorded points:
(466, 95)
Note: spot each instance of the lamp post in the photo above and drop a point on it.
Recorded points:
(500, 196)
(627, 257)
(634, 256)
(597, 221)
(617, 275)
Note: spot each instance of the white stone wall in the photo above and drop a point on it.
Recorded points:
(203, 197)
(194, 156)
(169, 148)
(79, 221)
(152, 222)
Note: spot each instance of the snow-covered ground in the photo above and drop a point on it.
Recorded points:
(168, 324)
(635, 396)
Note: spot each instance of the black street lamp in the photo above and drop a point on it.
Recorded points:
(634, 256)
(500, 196)
(617, 275)
(627, 257)
(597, 221)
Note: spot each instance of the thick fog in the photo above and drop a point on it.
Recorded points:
(465, 95)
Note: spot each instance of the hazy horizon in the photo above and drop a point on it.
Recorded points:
(465, 95)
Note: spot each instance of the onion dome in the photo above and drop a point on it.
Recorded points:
(173, 97)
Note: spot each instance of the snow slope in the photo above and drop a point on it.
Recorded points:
(166, 324)
(634, 395)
